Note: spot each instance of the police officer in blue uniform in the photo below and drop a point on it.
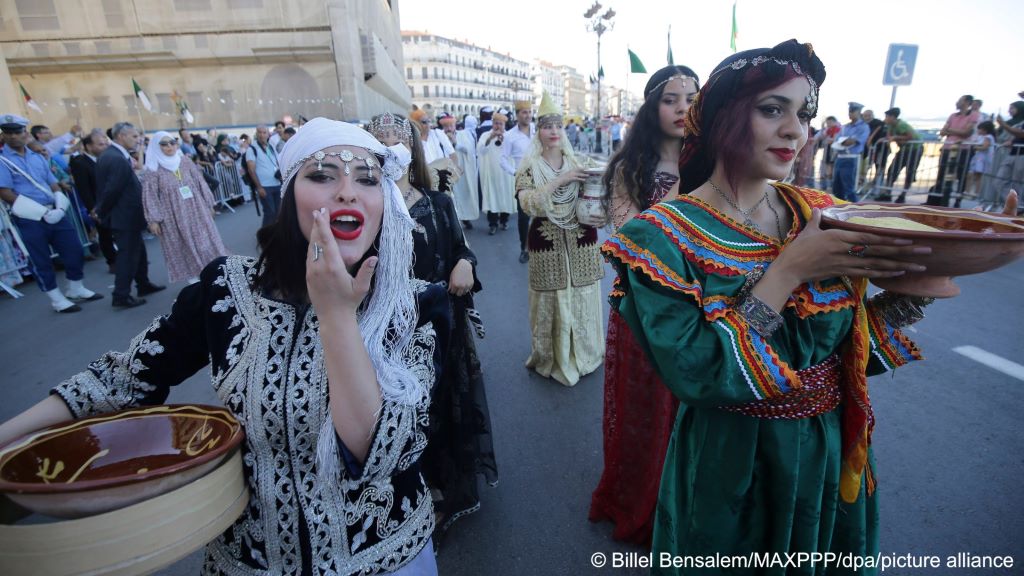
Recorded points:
(39, 209)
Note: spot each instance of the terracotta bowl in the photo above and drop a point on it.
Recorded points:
(965, 242)
(103, 463)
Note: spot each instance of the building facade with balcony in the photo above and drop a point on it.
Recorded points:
(547, 77)
(459, 78)
(235, 62)
(574, 88)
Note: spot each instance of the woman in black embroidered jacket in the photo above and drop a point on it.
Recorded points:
(316, 347)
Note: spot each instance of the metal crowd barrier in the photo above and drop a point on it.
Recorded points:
(13, 255)
(942, 175)
(230, 185)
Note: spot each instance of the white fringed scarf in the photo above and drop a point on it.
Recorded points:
(387, 319)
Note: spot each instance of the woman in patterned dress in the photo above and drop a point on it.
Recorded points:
(757, 320)
(565, 270)
(329, 373)
(638, 408)
(179, 210)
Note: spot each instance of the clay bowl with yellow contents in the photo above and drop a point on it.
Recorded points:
(962, 241)
(106, 462)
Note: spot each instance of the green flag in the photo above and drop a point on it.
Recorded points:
(671, 62)
(735, 30)
(600, 72)
(141, 96)
(635, 65)
(28, 99)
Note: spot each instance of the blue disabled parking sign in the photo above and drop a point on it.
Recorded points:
(899, 65)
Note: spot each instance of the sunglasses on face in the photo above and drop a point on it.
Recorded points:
(167, 142)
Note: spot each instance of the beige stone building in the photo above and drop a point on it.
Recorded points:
(235, 62)
(575, 91)
(457, 77)
(547, 77)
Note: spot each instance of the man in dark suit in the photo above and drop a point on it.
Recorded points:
(119, 207)
(83, 170)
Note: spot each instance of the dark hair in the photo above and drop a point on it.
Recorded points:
(37, 129)
(969, 98)
(730, 137)
(244, 137)
(987, 126)
(279, 123)
(419, 176)
(635, 163)
(718, 124)
(87, 140)
(290, 131)
(280, 268)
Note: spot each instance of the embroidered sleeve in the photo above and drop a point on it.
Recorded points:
(536, 201)
(169, 351)
(704, 350)
(890, 348)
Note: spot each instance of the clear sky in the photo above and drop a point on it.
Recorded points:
(966, 46)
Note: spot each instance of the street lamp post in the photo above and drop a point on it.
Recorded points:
(599, 25)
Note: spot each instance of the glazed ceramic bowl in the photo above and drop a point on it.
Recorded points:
(134, 540)
(963, 242)
(103, 463)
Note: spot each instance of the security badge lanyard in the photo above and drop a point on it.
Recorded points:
(185, 191)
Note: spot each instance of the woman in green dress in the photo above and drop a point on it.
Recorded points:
(758, 321)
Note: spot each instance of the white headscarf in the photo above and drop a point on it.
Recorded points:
(388, 318)
(470, 124)
(155, 157)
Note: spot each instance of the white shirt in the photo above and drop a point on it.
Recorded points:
(437, 145)
(516, 147)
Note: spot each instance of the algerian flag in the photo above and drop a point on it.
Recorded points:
(28, 99)
(635, 65)
(142, 96)
(735, 29)
(671, 62)
(182, 106)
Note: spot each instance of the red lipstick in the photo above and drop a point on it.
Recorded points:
(348, 215)
(784, 154)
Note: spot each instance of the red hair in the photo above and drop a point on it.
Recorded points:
(729, 137)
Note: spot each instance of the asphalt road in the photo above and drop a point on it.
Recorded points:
(949, 442)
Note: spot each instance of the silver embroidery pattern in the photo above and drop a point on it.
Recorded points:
(296, 384)
(272, 378)
(110, 383)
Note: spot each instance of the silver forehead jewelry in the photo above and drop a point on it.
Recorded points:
(345, 156)
(810, 101)
(381, 124)
(679, 76)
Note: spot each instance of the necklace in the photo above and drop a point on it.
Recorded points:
(406, 194)
(778, 221)
(746, 213)
(563, 198)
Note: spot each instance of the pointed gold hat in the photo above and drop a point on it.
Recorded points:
(547, 108)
